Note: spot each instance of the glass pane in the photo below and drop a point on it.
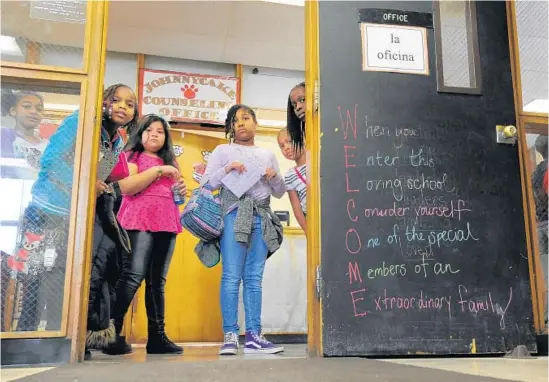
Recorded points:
(457, 50)
(532, 22)
(36, 168)
(43, 32)
(537, 166)
(12, 190)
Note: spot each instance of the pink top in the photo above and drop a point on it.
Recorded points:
(152, 209)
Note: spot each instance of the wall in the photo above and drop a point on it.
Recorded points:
(269, 88)
(284, 307)
(189, 66)
(121, 68)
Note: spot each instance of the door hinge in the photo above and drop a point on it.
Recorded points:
(318, 282)
(316, 96)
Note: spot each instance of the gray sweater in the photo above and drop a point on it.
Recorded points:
(210, 253)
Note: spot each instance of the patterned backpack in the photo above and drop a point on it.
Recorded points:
(202, 214)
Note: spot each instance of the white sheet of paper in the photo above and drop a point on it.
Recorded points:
(239, 184)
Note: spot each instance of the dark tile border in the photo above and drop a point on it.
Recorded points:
(35, 351)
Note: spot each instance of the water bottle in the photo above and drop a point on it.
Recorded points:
(177, 197)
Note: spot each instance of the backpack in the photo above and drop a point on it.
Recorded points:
(202, 214)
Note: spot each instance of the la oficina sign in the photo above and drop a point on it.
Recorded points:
(187, 97)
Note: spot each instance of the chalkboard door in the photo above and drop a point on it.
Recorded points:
(423, 239)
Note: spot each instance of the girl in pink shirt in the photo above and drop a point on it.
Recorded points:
(150, 216)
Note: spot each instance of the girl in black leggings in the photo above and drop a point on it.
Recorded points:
(151, 217)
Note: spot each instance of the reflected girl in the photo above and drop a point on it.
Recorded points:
(23, 140)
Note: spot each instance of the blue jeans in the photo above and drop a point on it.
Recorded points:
(242, 262)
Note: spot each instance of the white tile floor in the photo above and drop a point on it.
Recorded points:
(13, 374)
(525, 370)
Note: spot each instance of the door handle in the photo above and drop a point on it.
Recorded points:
(506, 134)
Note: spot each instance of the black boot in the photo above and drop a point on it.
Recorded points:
(119, 346)
(159, 343)
(155, 282)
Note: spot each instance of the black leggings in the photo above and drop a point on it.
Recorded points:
(149, 261)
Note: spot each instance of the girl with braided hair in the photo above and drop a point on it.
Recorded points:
(251, 233)
(296, 116)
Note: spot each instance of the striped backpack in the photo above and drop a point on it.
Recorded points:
(202, 214)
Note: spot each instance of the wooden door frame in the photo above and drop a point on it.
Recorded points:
(312, 144)
(89, 80)
(537, 283)
(314, 308)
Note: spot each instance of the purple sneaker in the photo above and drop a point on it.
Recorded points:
(230, 344)
(257, 344)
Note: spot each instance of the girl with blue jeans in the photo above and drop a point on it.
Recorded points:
(251, 232)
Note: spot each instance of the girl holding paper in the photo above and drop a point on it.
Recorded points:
(252, 232)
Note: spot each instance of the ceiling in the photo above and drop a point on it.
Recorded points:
(255, 33)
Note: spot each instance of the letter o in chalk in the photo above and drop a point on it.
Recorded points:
(352, 230)
(417, 268)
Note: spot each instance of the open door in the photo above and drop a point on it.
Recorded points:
(422, 229)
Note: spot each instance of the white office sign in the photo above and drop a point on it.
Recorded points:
(394, 48)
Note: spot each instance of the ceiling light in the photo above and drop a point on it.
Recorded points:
(9, 46)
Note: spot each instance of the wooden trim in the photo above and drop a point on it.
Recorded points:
(9, 303)
(33, 53)
(271, 131)
(83, 206)
(314, 311)
(535, 120)
(240, 76)
(536, 282)
(140, 65)
(41, 68)
(537, 286)
(534, 115)
(28, 76)
(33, 334)
(514, 55)
(293, 231)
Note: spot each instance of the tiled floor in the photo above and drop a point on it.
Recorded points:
(197, 353)
(525, 370)
(13, 374)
